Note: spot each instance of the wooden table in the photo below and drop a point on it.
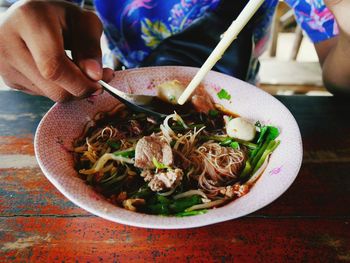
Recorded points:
(309, 223)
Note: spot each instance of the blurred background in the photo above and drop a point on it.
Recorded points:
(290, 65)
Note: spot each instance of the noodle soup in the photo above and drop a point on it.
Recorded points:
(182, 165)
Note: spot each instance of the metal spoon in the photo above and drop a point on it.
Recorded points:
(139, 103)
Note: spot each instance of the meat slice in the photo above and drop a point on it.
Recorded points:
(202, 101)
(150, 147)
(163, 180)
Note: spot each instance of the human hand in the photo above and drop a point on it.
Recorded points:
(33, 38)
(341, 9)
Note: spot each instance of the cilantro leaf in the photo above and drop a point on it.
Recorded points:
(159, 165)
(224, 95)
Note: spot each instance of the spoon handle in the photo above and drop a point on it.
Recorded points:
(229, 36)
(113, 90)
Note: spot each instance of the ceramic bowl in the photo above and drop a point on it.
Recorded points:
(64, 122)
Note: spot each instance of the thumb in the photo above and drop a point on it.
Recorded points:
(91, 67)
(86, 50)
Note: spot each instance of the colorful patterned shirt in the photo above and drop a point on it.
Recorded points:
(315, 18)
(136, 27)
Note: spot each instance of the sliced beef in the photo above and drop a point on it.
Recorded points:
(150, 147)
(202, 101)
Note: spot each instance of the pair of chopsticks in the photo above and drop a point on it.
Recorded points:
(229, 36)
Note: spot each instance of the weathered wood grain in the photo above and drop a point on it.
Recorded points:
(90, 239)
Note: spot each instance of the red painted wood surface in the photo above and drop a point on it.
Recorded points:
(309, 223)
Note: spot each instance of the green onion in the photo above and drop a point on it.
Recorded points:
(128, 153)
(223, 95)
(159, 165)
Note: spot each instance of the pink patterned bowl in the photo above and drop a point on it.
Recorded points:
(64, 122)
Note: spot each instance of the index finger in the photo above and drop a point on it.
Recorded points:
(44, 40)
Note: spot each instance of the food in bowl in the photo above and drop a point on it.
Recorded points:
(182, 165)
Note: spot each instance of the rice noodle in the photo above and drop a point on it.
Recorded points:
(103, 160)
(191, 193)
(167, 193)
(217, 166)
(207, 205)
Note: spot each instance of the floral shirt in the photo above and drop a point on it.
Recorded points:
(315, 18)
(135, 27)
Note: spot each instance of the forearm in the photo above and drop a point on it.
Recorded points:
(336, 66)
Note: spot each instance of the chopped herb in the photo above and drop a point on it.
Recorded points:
(223, 95)
(234, 145)
(159, 165)
(213, 113)
(172, 98)
(258, 124)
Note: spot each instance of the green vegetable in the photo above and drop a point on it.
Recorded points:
(223, 95)
(246, 170)
(159, 209)
(226, 142)
(159, 205)
(143, 192)
(159, 165)
(181, 204)
(192, 213)
(213, 113)
(129, 153)
(163, 200)
(114, 144)
(267, 133)
(259, 153)
(270, 148)
(254, 163)
(234, 145)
